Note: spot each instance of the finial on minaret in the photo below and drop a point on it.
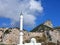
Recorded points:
(21, 13)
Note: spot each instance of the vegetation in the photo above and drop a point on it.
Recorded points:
(41, 27)
(7, 31)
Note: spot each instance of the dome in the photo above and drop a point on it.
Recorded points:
(33, 40)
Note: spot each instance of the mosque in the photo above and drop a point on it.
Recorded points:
(33, 40)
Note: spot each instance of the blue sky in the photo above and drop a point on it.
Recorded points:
(35, 12)
(52, 11)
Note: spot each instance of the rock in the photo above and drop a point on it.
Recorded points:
(48, 23)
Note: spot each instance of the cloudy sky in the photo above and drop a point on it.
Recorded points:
(35, 12)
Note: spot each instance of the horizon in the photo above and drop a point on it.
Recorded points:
(31, 29)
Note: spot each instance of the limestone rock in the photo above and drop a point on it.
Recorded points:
(48, 23)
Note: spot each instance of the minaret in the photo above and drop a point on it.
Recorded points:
(21, 21)
(21, 30)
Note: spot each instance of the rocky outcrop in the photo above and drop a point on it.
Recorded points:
(42, 33)
(9, 36)
(48, 23)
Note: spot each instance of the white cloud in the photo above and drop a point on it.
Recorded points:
(34, 5)
(29, 20)
(11, 9)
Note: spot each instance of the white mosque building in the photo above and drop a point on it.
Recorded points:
(33, 40)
